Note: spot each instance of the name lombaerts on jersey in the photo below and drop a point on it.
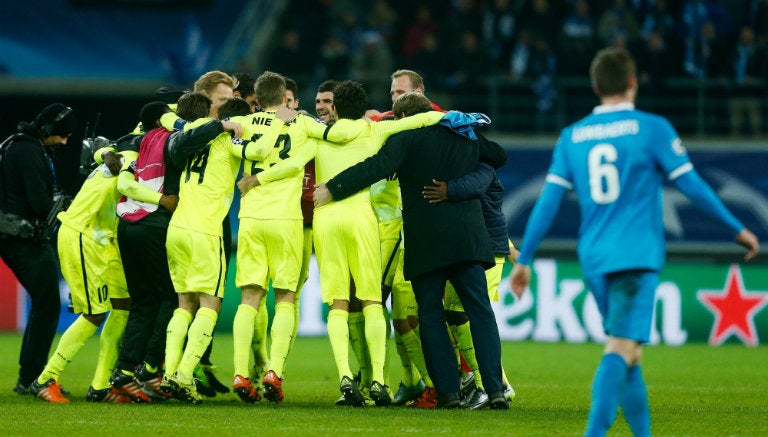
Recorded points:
(604, 131)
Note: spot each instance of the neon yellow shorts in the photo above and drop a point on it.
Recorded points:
(269, 250)
(93, 271)
(196, 261)
(347, 242)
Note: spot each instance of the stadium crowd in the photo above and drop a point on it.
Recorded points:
(457, 46)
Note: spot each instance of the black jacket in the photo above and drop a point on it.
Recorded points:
(436, 235)
(27, 178)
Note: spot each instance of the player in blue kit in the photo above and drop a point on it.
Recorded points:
(616, 160)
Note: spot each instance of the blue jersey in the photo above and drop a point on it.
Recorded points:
(616, 160)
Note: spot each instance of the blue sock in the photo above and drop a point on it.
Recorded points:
(634, 403)
(607, 387)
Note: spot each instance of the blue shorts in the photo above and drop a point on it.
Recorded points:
(626, 300)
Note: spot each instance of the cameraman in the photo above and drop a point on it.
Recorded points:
(27, 188)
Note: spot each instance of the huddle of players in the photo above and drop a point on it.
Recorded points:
(280, 150)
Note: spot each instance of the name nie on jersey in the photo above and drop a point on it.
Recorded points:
(602, 131)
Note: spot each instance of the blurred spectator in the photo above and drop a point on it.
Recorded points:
(383, 19)
(499, 31)
(367, 66)
(461, 16)
(542, 69)
(348, 29)
(618, 20)
(695, 15)
(542, 21)
(577, 40)
(413, 39)
(430, 62)
(656, 61)
(469, 68)
(661, 22)
(748, 72)
(334, 58)
(288, 56)
(708, 56)
(519, 60)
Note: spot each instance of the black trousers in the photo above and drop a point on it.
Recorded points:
(469, 281)
(153, 298)
(37, 269)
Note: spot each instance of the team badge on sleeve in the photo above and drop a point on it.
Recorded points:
(677, 146)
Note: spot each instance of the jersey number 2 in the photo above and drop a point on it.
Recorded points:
(604, 185)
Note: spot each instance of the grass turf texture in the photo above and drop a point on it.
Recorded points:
(695, 390)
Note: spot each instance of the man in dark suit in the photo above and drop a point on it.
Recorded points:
(444, 241)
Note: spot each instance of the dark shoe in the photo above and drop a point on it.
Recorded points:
(213, 381)
(206, 382)
(348, 388)
(150, 382)
(380, 394)
(498, 404)
(129, 386)
(21, 388)
(109, 395)
(448, 401)
(478, 401)
(405, 394)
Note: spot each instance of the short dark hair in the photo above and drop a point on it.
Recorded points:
(292, 86)
(350, 100)
(611, 70)
(233, 107)
(270, 89)
(194, 105)
(411, 103)
(246, 85)
(327, 86)
(150, 114)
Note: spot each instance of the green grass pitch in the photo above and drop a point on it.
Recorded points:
(695, 390)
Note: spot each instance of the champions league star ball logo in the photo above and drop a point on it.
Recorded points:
(734, 308)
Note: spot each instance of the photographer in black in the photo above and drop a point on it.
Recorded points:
(27, 197)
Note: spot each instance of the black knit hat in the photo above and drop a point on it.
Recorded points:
(55, 119)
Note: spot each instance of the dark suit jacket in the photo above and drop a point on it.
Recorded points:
(436, 235)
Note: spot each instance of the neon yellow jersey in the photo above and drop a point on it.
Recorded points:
(92, 211)
(333, 158)
(385, 198)
(280, 199)
(207, 186)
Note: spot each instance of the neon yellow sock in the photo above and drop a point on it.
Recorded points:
(199, 337)
(109, 347)
(464, 339)
(387, 343)
(375, 339)
(296, 318)
(176, 333)
(282, 328)
(69, 345)
(410, 377)
(259, 341)
(356, 330)
(412, 344)
(242, 335)
(338, 334)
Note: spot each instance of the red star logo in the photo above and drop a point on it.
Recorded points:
(734, 309)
